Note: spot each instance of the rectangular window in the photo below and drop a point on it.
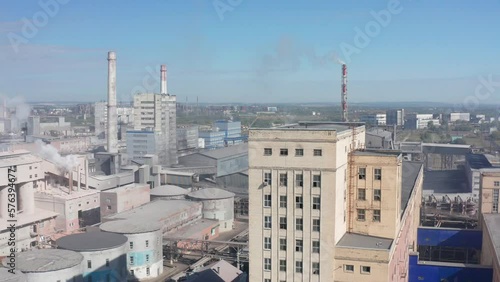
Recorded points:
(267, 178)
(282, 201)
(283, 152)
(147, 258)
(131, 244)
(315, 268)
(147, 243)
(496, 183)
(298, 202)
(299, 152)
(267, 243)
(267, 264)
(283, 265)
(318, 152)
(317, 181)
(299, 224)
(107, 262)
(376, 215)
(89, 264)
(316, 203)
(361, 194)
(298, 267)
(361, 215)
(377, 195)
(132, 260)
(267, 201)
(377, 174)
(298, 245)
(283, 179)
(282, 244)
(268, 151)
(316, 224)
(299, 180)
(267, 221)
(362, 173)
(147, 271)
(366, 269)
(282, 222)
(348, 268)
(495, 200)
(315, 247)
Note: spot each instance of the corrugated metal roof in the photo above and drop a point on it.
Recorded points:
(211, 194)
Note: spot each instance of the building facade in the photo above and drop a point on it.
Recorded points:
(374, 119)
(396, 117)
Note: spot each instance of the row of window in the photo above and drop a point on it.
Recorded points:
(496, 183)
(299, 204)
(131, 244)
(299, 245)
(299, 223)
(299, 179)
(298, 266)
(362, 215)
(298, 152)
(496, 194)
(377, 194)
(363, 269)
(377, 173)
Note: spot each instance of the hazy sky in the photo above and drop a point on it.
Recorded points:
(252, 50)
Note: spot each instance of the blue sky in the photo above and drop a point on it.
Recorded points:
(254, 51)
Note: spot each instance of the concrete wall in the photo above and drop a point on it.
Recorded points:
(488, 253)
(232, 165)
(197, 160)
(377, 260)
(488, 180)
(222, 210)
(24, 237)
(124, 198)
(117, 270)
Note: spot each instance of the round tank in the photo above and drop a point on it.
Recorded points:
(104, 254)
(144, 248)
(168, 192)
(50, 265)
(217, 204)
(6, 276)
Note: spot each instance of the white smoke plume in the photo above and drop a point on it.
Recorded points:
(23, 110)
(48, 152)
(338, 60)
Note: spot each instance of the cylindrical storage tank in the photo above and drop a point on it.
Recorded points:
(104, 254)
(6, 276)
(168, 192)
(49, 265)
(144, 247)
(217, 204)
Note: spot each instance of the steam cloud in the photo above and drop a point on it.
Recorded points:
(48, 152)
(23, 110)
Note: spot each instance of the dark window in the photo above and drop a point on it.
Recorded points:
(316, 203)
(267, 264)
(107, 262)
(361, 194)
(361, 215)
(348, 268)
(298, 245)
(316, 225)
(282, 201)
(299, 180)
(89, 264)
(267, 200)
(377, 173)
(315, 247)
(267, 221)
(376, 215)
(283, 179)
(362, 173)
(267, 243)
(318, 152)
(282, 222)
(282, 265)
(299, 224)
(377, 194)
(282, 244)
(317, 181)
(298, 266)
(315, 268)
(299, 152)
(298, 202)
(268, 151)
(366, 269)
(267, 178)
(283, 152)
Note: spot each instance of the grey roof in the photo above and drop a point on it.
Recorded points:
(46, 260)
(215, 272)
(211, 194)
(129, 226)
(380, 132)
(192, 229)
(226, 151)
(478, 161)
(492, 222)
(168, 190)
(91, 241)
(358, 241)
(155, 211)
(410, 174)
(446, 181)
(381, 153)
(314, 125)
(6, 276)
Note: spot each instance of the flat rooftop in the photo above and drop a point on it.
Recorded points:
(46, 260)
(63, 193)
(91, 241)
(314, 125)
(124, 188)
(478, 161)
(358, 241)
(156, 210)
(380, 153)
(211, 194)
(226, 152)
(19, 157)
(446, 181)
(129, 226)
(168, 190)
(190, 231)
(492, 222)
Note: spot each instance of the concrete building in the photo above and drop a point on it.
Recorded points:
(157, 112)
(374, 119)
(216, 272)
(187, 238)
(223, 133)
(101, 119)
(475, 164)
(395, 117)
(124, 198)
(144, 247)
(104, 254)
(50, 265)
(168, 192)
(489, 191)
(420, 121)
(454, 117)
(143, 142)
(187, 138)
(377, 138)
(212, 139)
(32, 222)
(313, 206)
(217, 204)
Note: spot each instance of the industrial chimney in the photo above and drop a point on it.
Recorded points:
(163, 77)
(344, 93)
(112, 118)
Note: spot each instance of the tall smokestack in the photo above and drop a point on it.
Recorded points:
(344, 93)
(163, 77)
(112, 119)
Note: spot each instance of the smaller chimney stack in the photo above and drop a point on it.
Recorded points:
(163, 77)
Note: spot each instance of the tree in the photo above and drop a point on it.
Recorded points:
(495, 135)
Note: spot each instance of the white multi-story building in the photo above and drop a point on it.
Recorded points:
(374, 119)
(157, 112)
(459, 116)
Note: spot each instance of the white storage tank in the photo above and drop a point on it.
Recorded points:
(144, 247)
(217, 204)
(104, 254)
(168, 192)
(50, 265)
